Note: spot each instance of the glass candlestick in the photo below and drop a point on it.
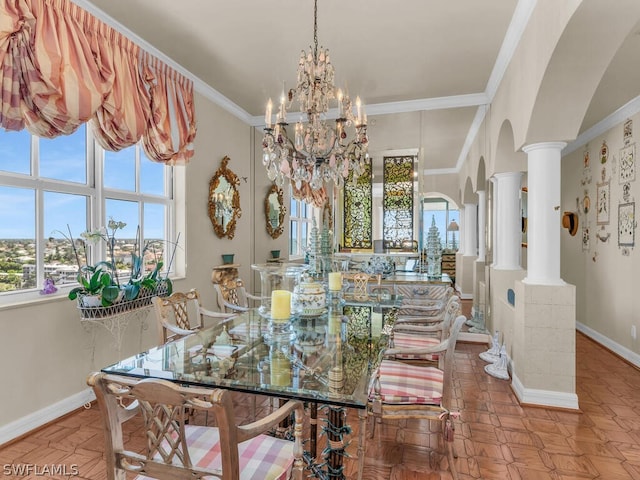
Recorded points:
(335, 306)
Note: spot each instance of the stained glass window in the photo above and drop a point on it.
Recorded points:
(358, 212)
(397, 202)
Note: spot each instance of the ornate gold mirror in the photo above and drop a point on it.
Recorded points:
(274, 211)
(224, 200)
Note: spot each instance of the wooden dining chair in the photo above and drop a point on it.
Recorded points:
(175, 449)
(403, 391)
(232, 296)
(181, 314)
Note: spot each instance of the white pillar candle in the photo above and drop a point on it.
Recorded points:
(280, 305)
(335, 281)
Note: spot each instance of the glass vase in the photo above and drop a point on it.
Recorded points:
(278, 276)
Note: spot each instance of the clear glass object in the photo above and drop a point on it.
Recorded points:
(278, 276)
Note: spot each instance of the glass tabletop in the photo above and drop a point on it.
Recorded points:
(326, 358)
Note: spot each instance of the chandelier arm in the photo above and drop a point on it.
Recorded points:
(315, 31)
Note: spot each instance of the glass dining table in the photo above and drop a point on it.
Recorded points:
(325, 360)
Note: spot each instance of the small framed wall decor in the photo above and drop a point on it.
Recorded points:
(604, 152)
(627, 171)
(627, 131)
(626, 224)
(602, 207)
(585, 239)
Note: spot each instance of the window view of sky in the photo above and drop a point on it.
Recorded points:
(64, 158)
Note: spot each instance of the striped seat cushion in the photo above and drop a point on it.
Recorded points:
(261, 458)
(410, 384)
(413, 340)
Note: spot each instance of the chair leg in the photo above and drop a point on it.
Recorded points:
(373, 419)
(362, 416)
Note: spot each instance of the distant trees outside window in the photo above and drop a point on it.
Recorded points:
(52, 190)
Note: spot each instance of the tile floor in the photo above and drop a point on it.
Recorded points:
(495, 439)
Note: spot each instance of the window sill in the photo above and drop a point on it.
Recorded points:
(11, 301)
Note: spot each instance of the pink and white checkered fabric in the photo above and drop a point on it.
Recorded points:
(410, 384)
(261, 458)
(413, 340)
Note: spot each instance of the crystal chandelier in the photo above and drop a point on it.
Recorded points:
(319, 152)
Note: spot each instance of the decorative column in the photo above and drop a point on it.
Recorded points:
(470, 229)
(543, 203)
(477, 322)
(509, 226)
(494, 223)
(544, 324)
(482, 214)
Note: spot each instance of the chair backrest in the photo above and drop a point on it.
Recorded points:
(178, 310)
(232, 292)
(446, 361)
(165, 409)
(360, 280)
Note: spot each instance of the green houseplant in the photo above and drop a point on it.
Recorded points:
(97, 282)
(100, 285)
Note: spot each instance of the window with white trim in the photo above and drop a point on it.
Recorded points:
(52, 190)
(300, 224)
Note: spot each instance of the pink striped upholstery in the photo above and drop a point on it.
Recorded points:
(413, 340)
(410, 384)
(261, 458)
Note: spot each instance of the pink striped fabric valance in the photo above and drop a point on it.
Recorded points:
(61, 67)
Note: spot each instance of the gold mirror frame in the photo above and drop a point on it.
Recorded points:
(274, 232)
(224, 209)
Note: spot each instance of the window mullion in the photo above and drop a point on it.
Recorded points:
(95, 156)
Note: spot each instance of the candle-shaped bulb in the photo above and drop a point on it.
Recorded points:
(339, 96)
(359, 111)
(267, 115)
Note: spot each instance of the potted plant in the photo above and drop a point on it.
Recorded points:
(97, 287)
(99, 284)
(149, 283)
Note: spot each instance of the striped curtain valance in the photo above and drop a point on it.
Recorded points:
(61, 67)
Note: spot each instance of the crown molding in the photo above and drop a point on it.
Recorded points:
(516, 28)
(616, 118)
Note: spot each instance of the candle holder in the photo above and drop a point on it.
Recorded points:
(335, 307)
(277, 276)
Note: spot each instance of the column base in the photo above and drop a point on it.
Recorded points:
(543, 345)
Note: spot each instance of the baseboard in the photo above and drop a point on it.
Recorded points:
(623, 352)
(35, 420)
(543, 398)
(465, 296)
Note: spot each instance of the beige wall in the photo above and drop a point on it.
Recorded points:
(606, 279)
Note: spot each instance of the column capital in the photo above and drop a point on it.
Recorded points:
(502, 175)
(544, 145)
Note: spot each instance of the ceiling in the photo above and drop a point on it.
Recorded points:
(422, 67)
